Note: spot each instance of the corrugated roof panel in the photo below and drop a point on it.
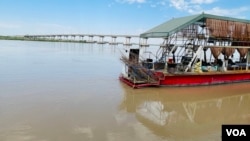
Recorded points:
(166, 28)
(174, 25)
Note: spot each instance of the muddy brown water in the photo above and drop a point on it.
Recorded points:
(71, 92)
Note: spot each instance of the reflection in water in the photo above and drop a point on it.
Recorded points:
(190, 113)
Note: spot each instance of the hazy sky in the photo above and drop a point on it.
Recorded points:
(19, 17)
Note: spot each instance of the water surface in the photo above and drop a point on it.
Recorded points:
(71, 91)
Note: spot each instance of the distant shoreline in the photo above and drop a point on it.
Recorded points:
(22, 38)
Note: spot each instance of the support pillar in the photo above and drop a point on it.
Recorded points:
(101, 40)
(60, 37)
(127, 41)
(248, 58)
(66, 36)
(81, 37)
(90, 39)
(113, 40)
(73, 37)
(143, 42)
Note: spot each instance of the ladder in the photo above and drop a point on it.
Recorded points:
(200, 49)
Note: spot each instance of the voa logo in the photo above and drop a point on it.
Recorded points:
(236, 132)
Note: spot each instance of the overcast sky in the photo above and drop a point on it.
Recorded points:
(20, 17)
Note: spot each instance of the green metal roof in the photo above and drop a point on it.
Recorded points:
(176, 24)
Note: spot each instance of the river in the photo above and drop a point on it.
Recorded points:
(52, 91)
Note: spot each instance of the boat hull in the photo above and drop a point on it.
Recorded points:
(194, 79)
(204, 79)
